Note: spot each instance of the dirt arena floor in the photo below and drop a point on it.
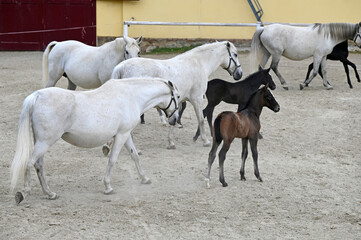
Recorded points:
(310, 161)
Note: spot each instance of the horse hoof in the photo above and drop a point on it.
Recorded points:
(329, 87)
(243, 178)
(18, 198)
(53, 196)
(195, 138)
(106, 150)
(207, 183)
(285, 87)
(207, 144)
(302, 86)
(224, 184)
(146, 181)
(108, 191)
(180, 126)
(171, 147)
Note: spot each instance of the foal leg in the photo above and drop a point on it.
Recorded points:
(222, 157)
(211, 157)
(347, 74)
(129, 145)
(244, 157)
(182, 107)
(119, 141)
(274, 66)
(253, 143)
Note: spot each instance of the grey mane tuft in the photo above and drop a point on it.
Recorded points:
(337, 31)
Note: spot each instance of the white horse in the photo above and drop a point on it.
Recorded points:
(298, 43)
(87, 119)
(85, 66)
(189, 71)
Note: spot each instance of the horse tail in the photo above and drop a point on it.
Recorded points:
(24, 146)
(46, 62)
(257, 50)
(217, 129)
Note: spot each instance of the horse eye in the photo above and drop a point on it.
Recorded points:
(236, 55)
(126, 52)
(138, 54)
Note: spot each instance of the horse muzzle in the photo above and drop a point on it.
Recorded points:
(277, 108)
(174, 118)
(237, 73)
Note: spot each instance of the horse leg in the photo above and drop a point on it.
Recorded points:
(40, 148)
(347, 74)
(324, 72)
(253, 143)
(199, 113)
(39, 166)
(106, 147)
(162, 118)
(129, 145)
(207, 114)
(244, 157)
(54, 75)
(71, 85)
(274, 66)
(119, 141)
(171, 144)
(182, 107)
(142, 119)
(211, 157)
(310, 67)
(266, 56)
(222, 157)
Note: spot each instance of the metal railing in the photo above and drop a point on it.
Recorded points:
(127, 24)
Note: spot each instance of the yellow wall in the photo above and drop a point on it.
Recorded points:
(112, 13)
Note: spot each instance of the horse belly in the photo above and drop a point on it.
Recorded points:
(297, 55)
(86, 139)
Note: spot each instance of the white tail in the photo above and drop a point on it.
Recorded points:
(24, 145)
(46, 62)
(257, 49)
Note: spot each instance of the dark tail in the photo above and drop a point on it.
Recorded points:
(217, 129)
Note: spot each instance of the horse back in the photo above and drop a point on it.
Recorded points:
(233, 125)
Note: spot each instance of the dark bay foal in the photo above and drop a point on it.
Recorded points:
(339, 53)
(235, 93)
(244, 124)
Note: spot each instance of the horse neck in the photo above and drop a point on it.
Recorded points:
(253, 81)
(210, 57)
(254, 106)
(118, 54)
(153, 95)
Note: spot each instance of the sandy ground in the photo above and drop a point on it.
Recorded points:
(309, 160)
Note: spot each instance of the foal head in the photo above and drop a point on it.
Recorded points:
(266, 78)
(268, 100)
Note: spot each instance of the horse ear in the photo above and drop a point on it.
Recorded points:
(266, 86)
(228, 45)
(170, 84)
(260, 68)
(268, 70)
(139, 40)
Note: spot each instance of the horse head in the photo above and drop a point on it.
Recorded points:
(233, 66)
(267, 78)
(171, 110)
(269, 100)
(357, 38)
(132, 47)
